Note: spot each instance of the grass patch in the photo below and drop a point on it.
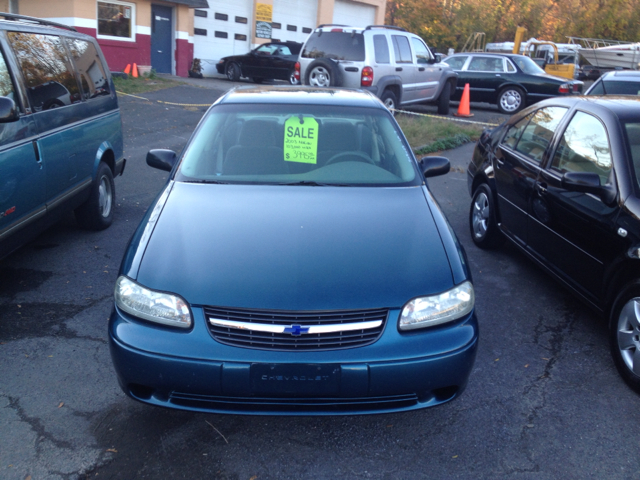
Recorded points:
(143, 84)
(429, 134)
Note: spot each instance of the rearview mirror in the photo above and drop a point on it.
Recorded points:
(162, 159)
(434, 166)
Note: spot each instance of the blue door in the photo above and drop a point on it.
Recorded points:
(161, 33)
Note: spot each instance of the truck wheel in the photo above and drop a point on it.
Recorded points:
(97, 212)
(443, 101)
(323, 72)
(389, 99)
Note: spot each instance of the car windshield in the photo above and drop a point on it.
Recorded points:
(527, 65)
(298, 145)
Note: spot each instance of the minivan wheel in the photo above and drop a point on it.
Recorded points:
(482, 219)
(389, 99)
(510, 100)
(323, 72)
(97, 212)
(624, 335)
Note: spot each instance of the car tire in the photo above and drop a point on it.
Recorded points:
(97, 212)
(510, 100)
(323, 72)
(624, 334)
(257, 80)
(443, 100)
(233, 72)
(482, 219)
(389, 99)
(292, 78)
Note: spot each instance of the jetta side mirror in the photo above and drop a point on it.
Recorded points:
(589, 182)
(162, 159)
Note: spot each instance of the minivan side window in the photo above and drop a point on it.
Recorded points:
(402, 49)
(381, 49)
(46, 69)
(6, 85)
(92, 75)
(422, 53)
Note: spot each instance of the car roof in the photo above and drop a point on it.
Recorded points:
(622, 75)
(626, 108)
(298, 95)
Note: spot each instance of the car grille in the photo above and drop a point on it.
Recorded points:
(295, 331)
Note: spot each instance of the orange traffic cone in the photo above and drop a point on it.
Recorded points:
(463, 109)
(127, 69)
(135, 72)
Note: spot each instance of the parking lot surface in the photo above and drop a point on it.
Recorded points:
(544, 400)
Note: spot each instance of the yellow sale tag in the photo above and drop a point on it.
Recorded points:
(301, 140)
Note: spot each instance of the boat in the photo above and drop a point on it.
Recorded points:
(609, 53)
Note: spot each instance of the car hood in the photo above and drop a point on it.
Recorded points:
(295, 247)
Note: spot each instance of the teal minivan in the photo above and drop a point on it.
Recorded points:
(60, 130)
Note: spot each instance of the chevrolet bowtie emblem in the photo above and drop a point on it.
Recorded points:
(296, 330)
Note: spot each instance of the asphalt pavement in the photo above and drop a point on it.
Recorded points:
(543, 402)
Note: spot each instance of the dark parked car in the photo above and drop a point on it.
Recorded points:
(295, 263)
(509, 81)
(275, 60)
(619, 82)
(560, 181)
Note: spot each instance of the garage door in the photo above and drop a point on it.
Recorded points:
(296, 19)
(353, 14)
(223, 29)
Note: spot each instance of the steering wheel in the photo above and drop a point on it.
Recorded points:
(355, 155)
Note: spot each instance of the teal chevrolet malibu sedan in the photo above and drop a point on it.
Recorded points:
(295, 263)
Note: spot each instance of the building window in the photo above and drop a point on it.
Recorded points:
(116, 20)
(306, 30)
(200, 13)
(239, 36)
(292, 28)
(222, 16)
(200, 31)
(275, 25)
(241, 19)
(221, 34)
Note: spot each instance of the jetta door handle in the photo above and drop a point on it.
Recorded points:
(542, 188)
(398, 69)
(421, 69)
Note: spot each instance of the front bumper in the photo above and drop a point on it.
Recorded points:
(191, 371)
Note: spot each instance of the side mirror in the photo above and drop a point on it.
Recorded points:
(8, 110)
(434, 166)
(162, 159)
(588, 182)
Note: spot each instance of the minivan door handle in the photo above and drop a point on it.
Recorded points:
(421, 69)
(398, 69)
(36, 150)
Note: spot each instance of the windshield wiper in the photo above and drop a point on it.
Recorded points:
(219, 182)
(311, 183)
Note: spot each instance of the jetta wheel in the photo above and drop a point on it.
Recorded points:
(510, 100)
(625, 335)
(482, 219)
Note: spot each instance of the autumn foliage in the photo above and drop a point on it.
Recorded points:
(448, 23)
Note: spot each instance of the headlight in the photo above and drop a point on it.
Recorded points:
(151, 305)
(436, 309)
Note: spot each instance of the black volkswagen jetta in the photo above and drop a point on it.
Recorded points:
(561, 180)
